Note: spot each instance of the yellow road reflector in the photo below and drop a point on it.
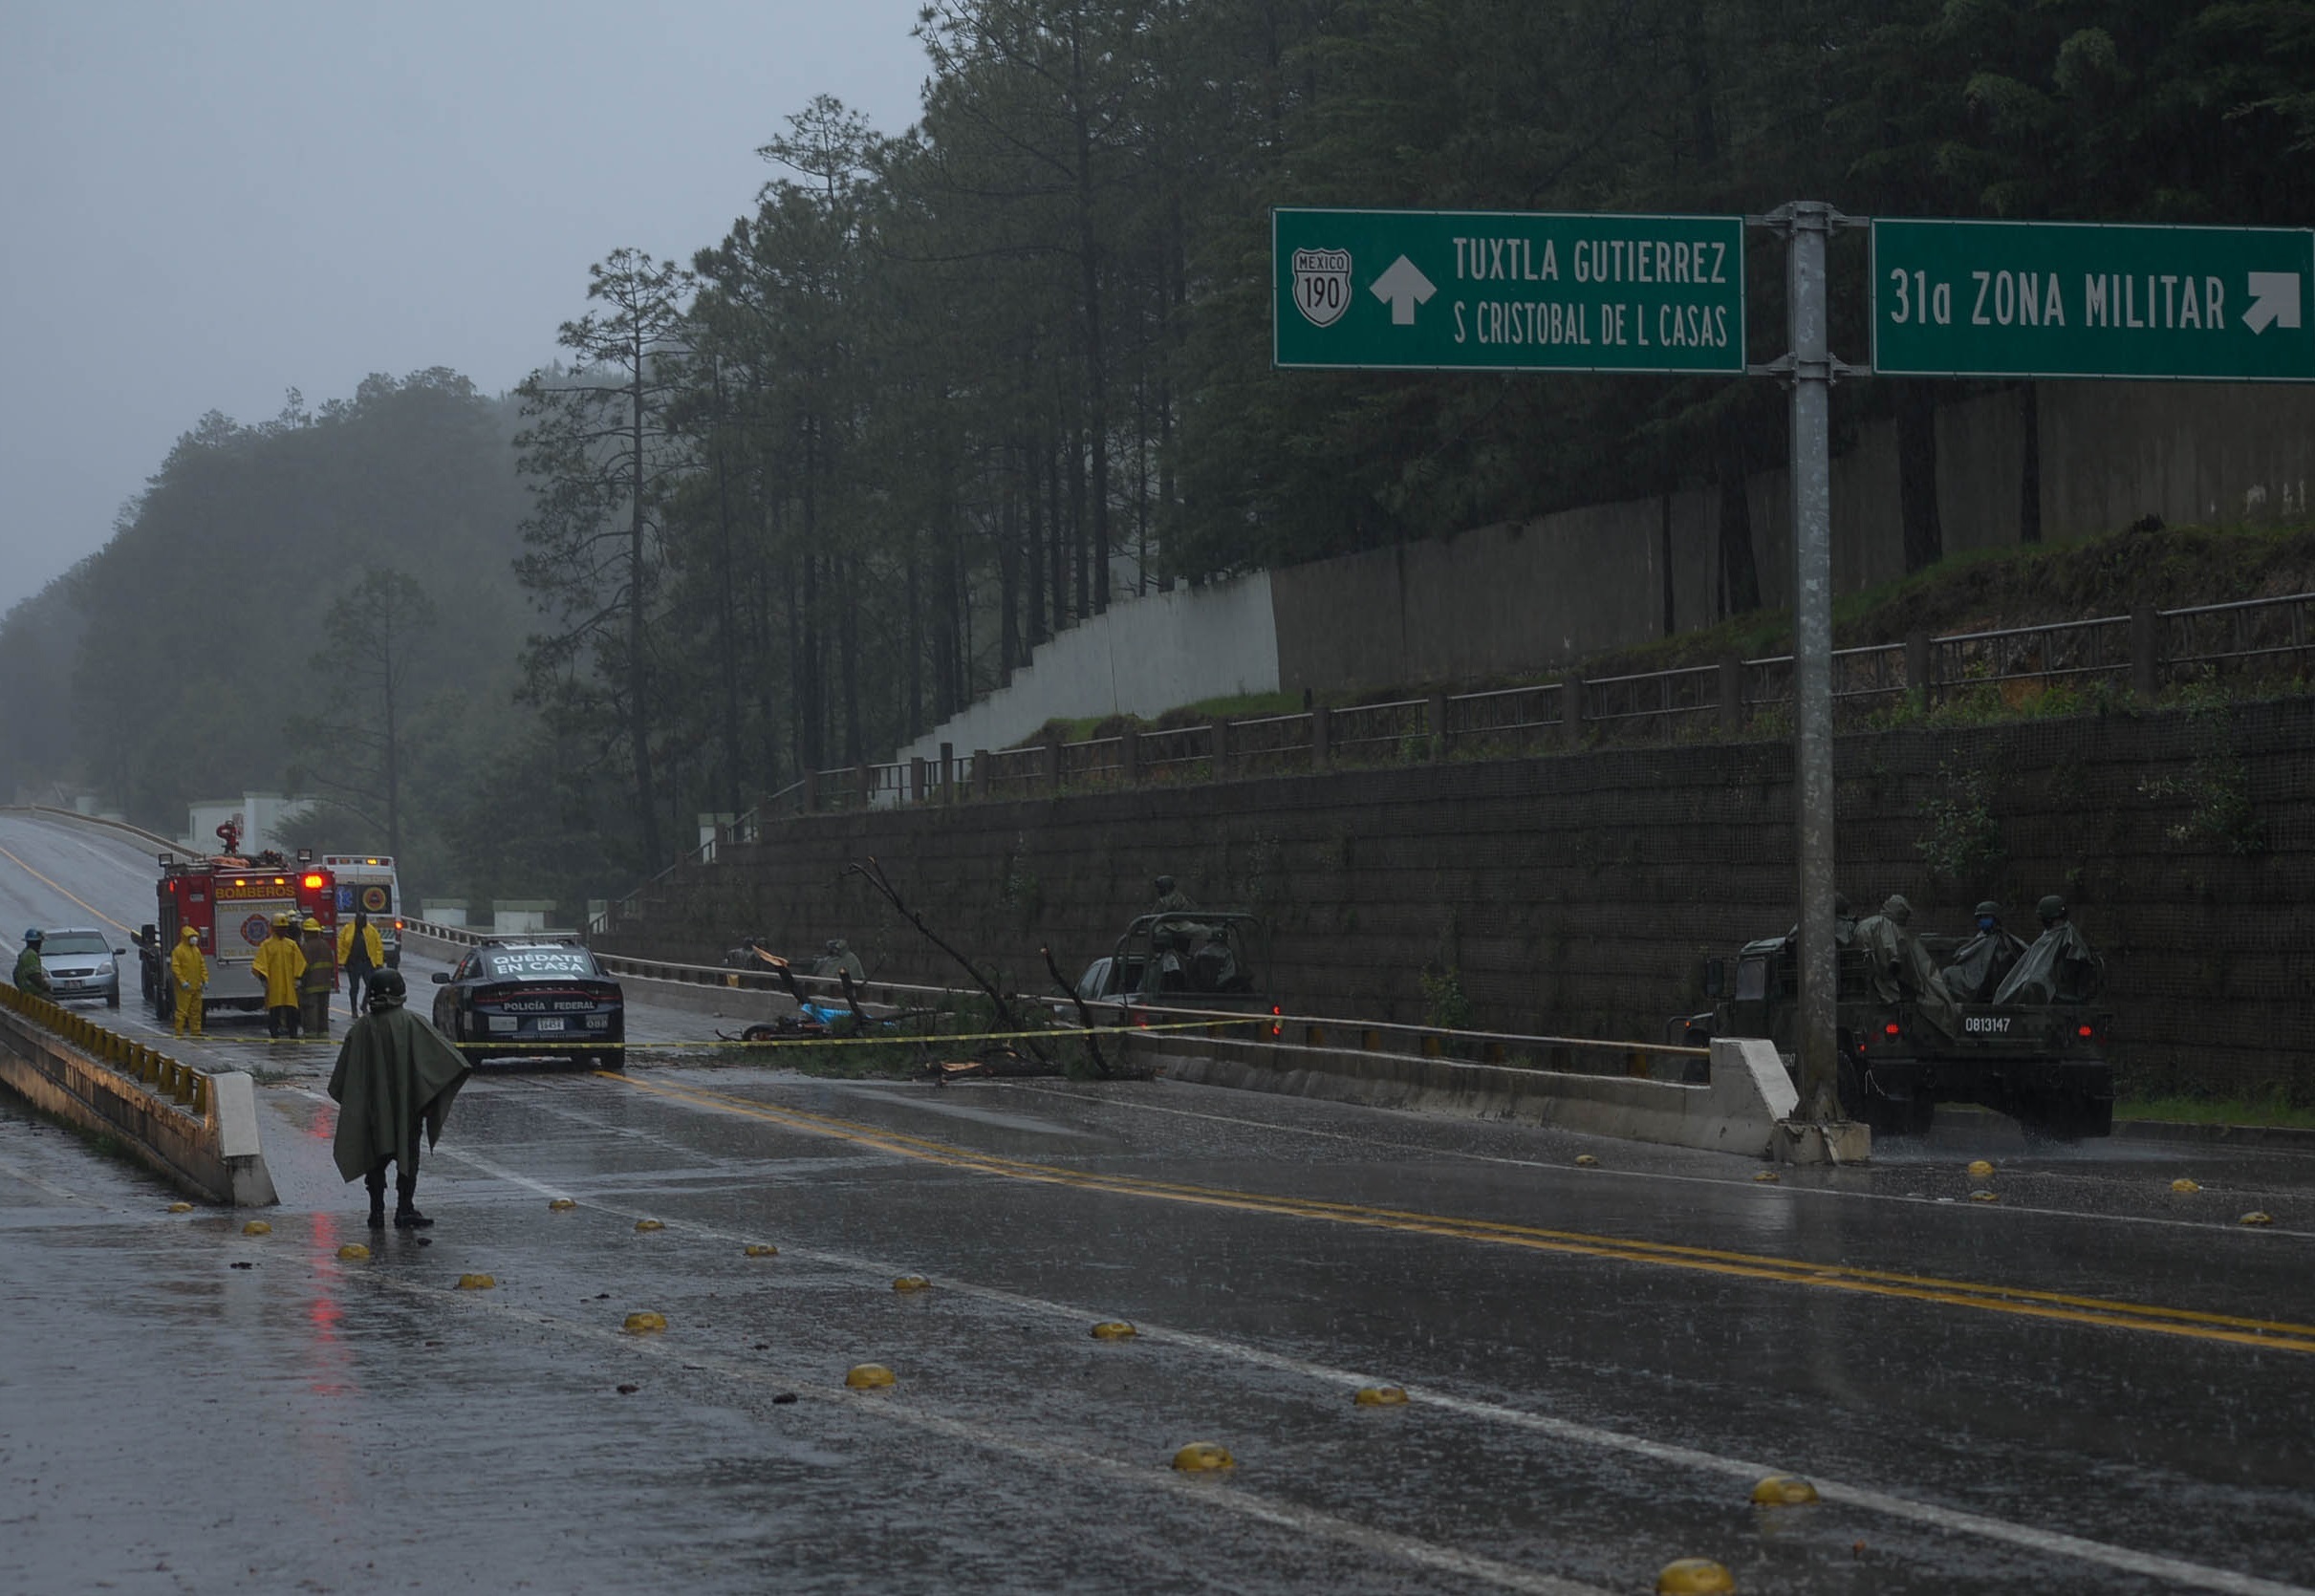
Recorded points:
(869, 1376)
(650, 1224)
(257, 1227)
(1693, 1576)
(1784, 1490)
(1980, 1169)
(181, 1208)
(1114, 1329)
(911, 1283)
(2185, 1186)
(1203, 1457)
(1380, 1396)
(1985, 1196)
(561, 1205)
(645, 1324)
(477, 1282)
(2256, 1217)
(1767, 1177)
(353, 1251)
(1585, 1160)
(762, 1249)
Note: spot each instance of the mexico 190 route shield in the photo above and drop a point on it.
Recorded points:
(1507, 290)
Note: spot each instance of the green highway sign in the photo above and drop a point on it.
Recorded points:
(2069, 299)
(1507, 290)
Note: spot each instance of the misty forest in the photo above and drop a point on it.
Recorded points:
(784, 498)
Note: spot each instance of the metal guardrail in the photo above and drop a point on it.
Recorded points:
(2142, 651)
(1289, 1030)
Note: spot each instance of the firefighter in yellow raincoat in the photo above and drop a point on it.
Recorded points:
(279, 963)
(192, 973)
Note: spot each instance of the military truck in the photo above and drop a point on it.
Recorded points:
(1186, 958)
(2042, 1063)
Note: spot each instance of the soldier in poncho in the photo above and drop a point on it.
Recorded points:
(2059, 968)
(1903, 968)
(395, 1076)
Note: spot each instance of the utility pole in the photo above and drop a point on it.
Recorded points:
(1810, 368)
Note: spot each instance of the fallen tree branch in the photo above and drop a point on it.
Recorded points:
(1085, 1015)
(874, 874)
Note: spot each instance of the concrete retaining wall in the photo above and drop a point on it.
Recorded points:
(1576, 893)
(212, 1154)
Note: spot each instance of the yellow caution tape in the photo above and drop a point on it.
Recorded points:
(556, 1045)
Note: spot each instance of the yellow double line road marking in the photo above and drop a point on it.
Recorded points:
(2273, 1335)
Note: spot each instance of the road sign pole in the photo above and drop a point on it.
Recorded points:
(1807, 222)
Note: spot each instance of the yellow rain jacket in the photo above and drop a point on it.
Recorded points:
(370, 939)
(191, 970)
(279, 963)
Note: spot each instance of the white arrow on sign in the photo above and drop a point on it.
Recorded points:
(2274, 301)
(1403, 287)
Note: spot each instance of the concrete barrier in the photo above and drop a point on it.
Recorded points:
(1737, 1112)
(198, 1131)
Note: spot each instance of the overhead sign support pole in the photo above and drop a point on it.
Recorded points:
(1810, 368)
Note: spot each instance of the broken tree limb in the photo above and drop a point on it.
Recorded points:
(874, 874)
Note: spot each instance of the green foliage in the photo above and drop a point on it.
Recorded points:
(2215, 787)
(1960, 838)
(1444, 1004)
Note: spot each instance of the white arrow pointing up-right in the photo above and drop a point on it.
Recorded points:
(2274, 301)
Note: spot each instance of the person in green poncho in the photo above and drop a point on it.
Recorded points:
(395, 1076)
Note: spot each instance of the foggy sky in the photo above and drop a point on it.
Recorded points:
(203, 205)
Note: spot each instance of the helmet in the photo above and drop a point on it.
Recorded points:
(32, 935)
(1988, 911)
(2051, 908)
(311, 924)
(388, 989)
(1165, 883)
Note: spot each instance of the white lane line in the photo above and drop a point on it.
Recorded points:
(17, 1171)
(2196, 1575)
(1230, 1498)
(1402, 1149)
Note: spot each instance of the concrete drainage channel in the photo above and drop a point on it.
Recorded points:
(199, 1130)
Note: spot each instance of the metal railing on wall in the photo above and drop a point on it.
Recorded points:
(2133, 655)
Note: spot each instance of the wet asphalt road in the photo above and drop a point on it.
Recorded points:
(2095, 1383)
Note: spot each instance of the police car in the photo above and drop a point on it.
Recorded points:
(510, 998)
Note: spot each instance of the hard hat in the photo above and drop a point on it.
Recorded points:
(33, 934)
(1988, 910)
(2051, 908)
(311, 924)
(388, 989)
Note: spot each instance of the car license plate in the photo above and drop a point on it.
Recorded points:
(550, 1025)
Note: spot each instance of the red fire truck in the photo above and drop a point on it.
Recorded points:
(232, 901)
